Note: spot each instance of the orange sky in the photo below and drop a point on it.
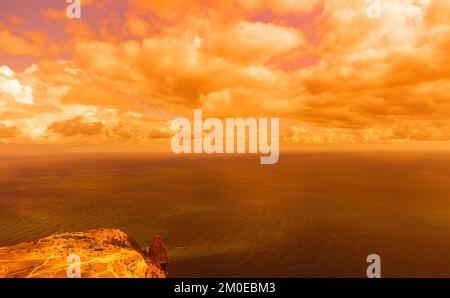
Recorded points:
(118, 76)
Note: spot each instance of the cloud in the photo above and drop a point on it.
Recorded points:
(76, 127)
(8, 132)
(160, 134)
(16, 45)
(12, 87)
(255, 42)
(280, 6)
(382, 80)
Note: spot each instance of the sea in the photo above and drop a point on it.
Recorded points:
(313, 214)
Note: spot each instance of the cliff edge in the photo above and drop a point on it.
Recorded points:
(101, 253)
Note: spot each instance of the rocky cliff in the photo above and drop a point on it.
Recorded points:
(94, 254)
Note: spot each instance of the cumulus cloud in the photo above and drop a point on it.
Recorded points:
(7, 132)
(12, 87)
(160, 134)
(17, 45)
(365, 80)
(76, 127)
(255, 42)
(280, 6)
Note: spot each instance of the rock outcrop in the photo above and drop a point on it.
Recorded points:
(157, 253)
(98, 253)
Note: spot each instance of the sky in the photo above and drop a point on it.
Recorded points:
(120, 74)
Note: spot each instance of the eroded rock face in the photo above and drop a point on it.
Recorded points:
(102, 253)
(157, 253)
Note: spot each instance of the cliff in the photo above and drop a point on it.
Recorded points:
(101, 253)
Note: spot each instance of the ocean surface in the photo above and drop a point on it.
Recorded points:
(311, 215)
